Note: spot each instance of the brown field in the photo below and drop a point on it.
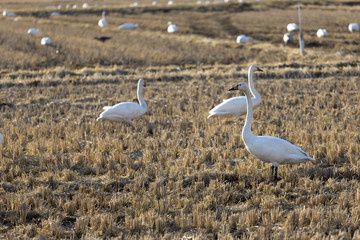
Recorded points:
(175, 174)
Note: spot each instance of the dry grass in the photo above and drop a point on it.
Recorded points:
(176, 174)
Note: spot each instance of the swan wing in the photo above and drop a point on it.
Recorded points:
(235, 106)
(276, 150)
(125, 110)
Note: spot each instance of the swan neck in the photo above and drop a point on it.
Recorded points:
(246, 131)
(139, 95)
(251, 85)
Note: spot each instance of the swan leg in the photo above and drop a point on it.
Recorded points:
(274, 171)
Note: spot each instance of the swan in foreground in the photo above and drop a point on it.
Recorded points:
(268, 149)
(353, 27)
(102, 21)
(236, 106)
(321, 33)
(292, 27)
(126, 111)
(172, 28)
(1, 138)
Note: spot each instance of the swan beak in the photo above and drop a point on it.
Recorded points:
(234, 88)
(259, 69)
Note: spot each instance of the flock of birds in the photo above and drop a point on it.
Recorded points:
(320, 33)
(268, 149)
(172, 28)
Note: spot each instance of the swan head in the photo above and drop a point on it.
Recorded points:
(142, 82)
(240, 86)
(254, 68)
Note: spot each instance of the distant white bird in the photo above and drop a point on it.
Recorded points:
(75, 6)
(33, 31)
(126, 111)
(154, 3)
(353, 27)
(292, 27)
(172, 28)
(128, 26)
(85, 5)
(135, 4)
(54, 14)
(46, 41)
(6, 13)
(321, 33)
(236, 106)
(243, 39)
(288, 37)
(170, 2)
(102, 22)
(268, 149)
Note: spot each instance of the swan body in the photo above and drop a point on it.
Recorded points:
(292, 27)
(154, 3)
(268, 149)
(102, 22)
(353, 27)
(321, 33)
(236, 106)
(85, 5)
(288, 37)
(7, 13)
(172, 28)
(170, 2)
(242, 39)
(54, 14)
(33, 31)
(128, 26)
(126, 111)
(46, 41)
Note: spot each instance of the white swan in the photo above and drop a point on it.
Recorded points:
(128, 26)
(126, 111)
(102, 21)
(321, 33)
(243, 39)
(172, 28)
(7, 13)
(268, 149)
(46, 41)
(353, 27)
(288, 37)
(292, 27)
(236, 106)
(33, 31)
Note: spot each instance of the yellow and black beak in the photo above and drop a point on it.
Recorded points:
(259, 69)
(234, 88)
